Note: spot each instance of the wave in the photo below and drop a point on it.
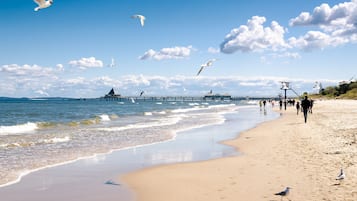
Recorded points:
(148, 113)
(57, 140)
(163, 122)
(18, 129)
(193, 104)
(104, 117)
(187, 110)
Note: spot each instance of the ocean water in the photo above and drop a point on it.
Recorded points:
(39, 133)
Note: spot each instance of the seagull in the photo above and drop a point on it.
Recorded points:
(43, 4)
(341, 176)
(141, 17)
(208, 63)
(111, 182)
(283, 193)
(141, 93)
(112, 64)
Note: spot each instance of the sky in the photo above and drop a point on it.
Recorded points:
(66, 50)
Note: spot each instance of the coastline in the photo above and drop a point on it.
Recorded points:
(67, 181)
(275, 154)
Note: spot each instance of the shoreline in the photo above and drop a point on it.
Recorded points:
(274, 155)
(65, 182)
(94, 155)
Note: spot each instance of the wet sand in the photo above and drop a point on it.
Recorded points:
(274, 155)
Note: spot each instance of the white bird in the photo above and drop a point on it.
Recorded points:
(341, 176)
(112, 64)
(208, 63)
(43, 4)
(141, 18)
(284, 192)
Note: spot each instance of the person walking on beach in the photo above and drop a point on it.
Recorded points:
(311, 104)
(305, 104)
(280, 104)
(297, 107)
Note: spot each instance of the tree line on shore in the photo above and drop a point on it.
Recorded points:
(345, 90)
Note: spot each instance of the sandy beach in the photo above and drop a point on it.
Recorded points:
(274, 155)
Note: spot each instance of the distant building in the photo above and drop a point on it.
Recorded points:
(211, 96)
(112, 94)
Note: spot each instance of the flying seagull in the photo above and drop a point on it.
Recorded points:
(140, 17)
(43, 4)
(112, 64)
(141, 93)
(283, 193)
(341, 176)
(208, 63)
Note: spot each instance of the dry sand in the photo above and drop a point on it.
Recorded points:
(276, 154)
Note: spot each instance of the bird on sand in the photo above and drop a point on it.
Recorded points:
(341, 176)
(141, 18)
(283, 193)
(111, 182)
(43, 4)
(208, 63)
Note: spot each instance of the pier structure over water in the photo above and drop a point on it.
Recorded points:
(181, 98)
(112, 96)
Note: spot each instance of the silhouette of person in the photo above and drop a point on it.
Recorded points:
(280, 104)
(305, 104)
(311, 104)
(297, 107)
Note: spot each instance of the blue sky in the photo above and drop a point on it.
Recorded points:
(65, 50)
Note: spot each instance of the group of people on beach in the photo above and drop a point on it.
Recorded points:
(306, 107)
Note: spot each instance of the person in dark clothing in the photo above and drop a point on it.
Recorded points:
(311, 104)
(305, 104)
(280, 104)
(297, 107)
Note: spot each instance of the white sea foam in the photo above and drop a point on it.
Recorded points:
(104, 117)
(163, 122)
(221, 106)
(57, 140)
(17, 129)
(252, 102)
(161, 112)
(147, 113)
(187, 110)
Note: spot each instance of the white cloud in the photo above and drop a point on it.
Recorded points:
(84, 63)
(255, 37)
(132, 85)
(60, 67)
(213, 50)
(338, 16)
(290, 55)
(338, 26)
(42, 93)
(28, 70)
(168, 53)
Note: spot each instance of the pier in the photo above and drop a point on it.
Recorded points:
(181, 98)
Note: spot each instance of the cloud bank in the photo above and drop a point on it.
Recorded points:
(84, 63)
(22, 81)
(254, 37)
(337, 25)
(167, 53)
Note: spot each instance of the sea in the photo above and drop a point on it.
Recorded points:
(44, 132)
